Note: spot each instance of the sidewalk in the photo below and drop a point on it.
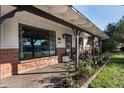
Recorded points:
(39, 78)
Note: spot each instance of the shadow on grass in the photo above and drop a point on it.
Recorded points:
(117, 60)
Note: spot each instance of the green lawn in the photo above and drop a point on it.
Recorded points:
(113, 74)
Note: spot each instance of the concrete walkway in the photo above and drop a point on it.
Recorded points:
(39, 78)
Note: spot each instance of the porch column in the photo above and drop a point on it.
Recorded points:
(77, 35)
(100, 46)
(93, 54)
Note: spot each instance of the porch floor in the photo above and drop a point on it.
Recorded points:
(39, 78)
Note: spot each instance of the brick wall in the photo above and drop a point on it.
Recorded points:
(10, 65)
(36, 63)
(9, 55)
(5, 70)
(60, 52)
(8, 59)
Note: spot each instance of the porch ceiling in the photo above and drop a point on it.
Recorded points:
(71, 15)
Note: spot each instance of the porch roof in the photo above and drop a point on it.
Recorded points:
(73, 16)
(69, 15)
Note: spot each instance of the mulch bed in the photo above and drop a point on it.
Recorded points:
(79, 79)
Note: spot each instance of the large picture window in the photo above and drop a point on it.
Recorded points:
(35, 43)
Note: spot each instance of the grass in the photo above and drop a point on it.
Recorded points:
(113, 74)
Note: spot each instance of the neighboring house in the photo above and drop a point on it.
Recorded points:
(37, 36)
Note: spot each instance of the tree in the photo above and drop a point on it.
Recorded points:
(110, 29)
(119, 36)
(115, 31)
(108, 45)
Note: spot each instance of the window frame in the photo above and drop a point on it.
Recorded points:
(34, 27)
(66, 43)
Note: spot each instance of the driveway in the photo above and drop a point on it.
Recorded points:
(39, 78)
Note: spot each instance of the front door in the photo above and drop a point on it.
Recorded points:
(68, 45)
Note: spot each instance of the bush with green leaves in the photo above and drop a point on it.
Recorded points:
(106, 55)
(102, 59)
(68, 79)
(109, 45)
(85, 67)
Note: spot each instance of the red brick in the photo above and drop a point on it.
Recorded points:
(11, 64)
(9, 55)
(60, 52)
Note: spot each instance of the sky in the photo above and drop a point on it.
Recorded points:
(101, 15)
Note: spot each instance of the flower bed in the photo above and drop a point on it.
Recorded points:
(85, 70)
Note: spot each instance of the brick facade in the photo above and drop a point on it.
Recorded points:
(36, 63)
(5, 70)
(10, 65)
(60, 52)
(9, 55)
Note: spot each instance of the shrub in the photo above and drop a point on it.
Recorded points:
(106, 55)
(68, 79)
(103, 58)
(109, 45)
(100, 61)
(85, 67)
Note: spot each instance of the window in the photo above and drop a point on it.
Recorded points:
(36, 43)
(52, 42)
(68, 45)
(81, 42)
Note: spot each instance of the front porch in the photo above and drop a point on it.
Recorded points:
(40, 38)
(42, 77)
